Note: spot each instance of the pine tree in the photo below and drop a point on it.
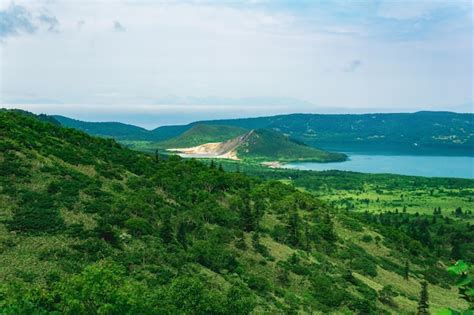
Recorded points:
(455, 250)
(240, 241)
(294, 228)
(247, 218)
(423, 305)
(406, 271)
(181, 235)
(166, 231)
(157, 155)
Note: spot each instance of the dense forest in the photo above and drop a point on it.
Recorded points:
(90, 227)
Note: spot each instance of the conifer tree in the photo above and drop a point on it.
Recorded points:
(247, 218)
(157, 155)
(423, 305)
(294, 228)
(166, 231)
(406, 271)
(181, 235)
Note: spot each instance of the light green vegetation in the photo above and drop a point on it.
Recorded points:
(200, 134)
(143, 146)
(90, 227)
(374, 192)
(422, 201)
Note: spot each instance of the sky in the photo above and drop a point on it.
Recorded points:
(155, 63)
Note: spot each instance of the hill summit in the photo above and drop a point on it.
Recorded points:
(256, 144)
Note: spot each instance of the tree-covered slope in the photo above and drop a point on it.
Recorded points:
(89, 227)
(115, 130)
(261, 145)
(269, 145)
(421, 132)
(200, 134)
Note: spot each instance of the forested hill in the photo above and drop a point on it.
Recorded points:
(115, 130)
(256, 145)
(421, 132)
(200, 134)
(270, 145)
(89, 227)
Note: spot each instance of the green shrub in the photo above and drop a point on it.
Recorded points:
(35, 214)
(138, 226)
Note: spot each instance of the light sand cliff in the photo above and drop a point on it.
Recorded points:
(218, 150)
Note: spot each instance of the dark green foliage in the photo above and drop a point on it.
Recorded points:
(386, 296)
(35, 214)
(213, 255)
(327, 293)
(263, 144)
(293, 228)
(355, 132)
(423, 305)
(166, 230)
(406, 270)
(138, 226)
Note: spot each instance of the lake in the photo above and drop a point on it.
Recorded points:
(430, 166)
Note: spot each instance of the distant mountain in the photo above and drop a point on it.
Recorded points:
(199, 134)
(259, 145)
(42, 117)
(421, 132)
(116, 130)
(414, 133)
(271, 145)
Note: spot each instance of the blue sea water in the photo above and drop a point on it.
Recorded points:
(430, 166)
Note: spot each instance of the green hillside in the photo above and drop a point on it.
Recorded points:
(268, 145)
(200, 134)
(115, 130)
(422, 132)
(414, 133)
(257, 145)
(90, 227)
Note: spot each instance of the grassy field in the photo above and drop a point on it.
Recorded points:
(422, 200)
(374, 192)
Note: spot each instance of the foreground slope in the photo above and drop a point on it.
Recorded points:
(87, 227)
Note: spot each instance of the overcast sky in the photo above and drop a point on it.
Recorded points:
(165, 62)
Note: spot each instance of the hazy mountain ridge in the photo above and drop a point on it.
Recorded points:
(420, 132)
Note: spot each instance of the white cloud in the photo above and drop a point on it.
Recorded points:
(229, 52)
